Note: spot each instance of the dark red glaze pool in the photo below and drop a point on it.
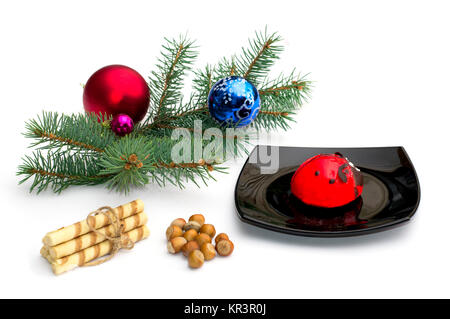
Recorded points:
(327, 180)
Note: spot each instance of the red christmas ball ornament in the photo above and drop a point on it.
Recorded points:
(122, 124)
(327, 180)
(117, 89)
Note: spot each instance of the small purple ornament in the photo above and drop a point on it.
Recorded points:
(122, 124)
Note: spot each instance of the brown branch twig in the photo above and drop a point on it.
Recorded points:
(168, 76)
(274, 113)
(258, 56)
(170, 127)
(201, 163)
(277, 90)
(68, 141)
(133, 160)
(232, 70)
(59, 175)
(201, 109)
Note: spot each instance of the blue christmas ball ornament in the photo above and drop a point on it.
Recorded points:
(234, 101)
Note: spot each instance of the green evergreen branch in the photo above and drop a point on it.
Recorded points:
(256, 61)
(166, 82)
(79, 131)
(280, 98)
(60, 170)
(273, 121)
(132, 162)
(285, 93)
(202, 84)
(128, 161)
(224, 68)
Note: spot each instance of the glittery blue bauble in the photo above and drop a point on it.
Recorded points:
(234, 101)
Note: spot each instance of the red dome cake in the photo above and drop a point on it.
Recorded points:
(327, 180)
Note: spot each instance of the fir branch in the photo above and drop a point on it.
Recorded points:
(128, 160)
(166, 82)
(280, 98)
(202, 84)
(256, 61)
(203, 109)
(224, 68)
(50, 137)
(241, 138)
(195, 104)
(132, 162)
(273, 120)
(60, 170)
(80, 131)
(285, 92)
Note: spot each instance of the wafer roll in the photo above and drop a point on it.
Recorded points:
(91, 238)
(86, 255)
(70, 232)
(45, 254)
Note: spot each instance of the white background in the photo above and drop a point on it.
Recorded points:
(381, 69)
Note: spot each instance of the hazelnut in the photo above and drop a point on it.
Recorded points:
(202, 238)
(192, 225)
(208, 251)
(175, 244)
(198, 218)
(196, 259)
(173, 231)
(221, 236)
(208, 229)
(189, 247)
(180, 222)
(224, 247)
(190, 234)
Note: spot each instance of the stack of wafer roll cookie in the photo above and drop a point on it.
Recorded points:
(76, 245)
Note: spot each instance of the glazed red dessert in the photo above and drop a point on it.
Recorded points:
(327, 180)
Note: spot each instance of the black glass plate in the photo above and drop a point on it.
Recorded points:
(390, 196)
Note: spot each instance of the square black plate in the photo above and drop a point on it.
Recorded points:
(390, 196)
